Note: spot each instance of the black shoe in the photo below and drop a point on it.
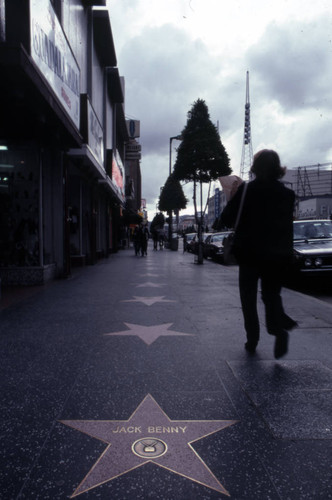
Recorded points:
(281, 345)
(250, 347)
(290, 325)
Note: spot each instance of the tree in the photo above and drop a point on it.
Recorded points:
(201, 157)
(172, 198)
(158, 222)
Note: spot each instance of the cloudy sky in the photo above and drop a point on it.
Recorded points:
(172, 52)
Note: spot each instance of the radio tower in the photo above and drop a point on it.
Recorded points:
(247, 156)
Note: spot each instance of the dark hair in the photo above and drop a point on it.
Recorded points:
(266, 165)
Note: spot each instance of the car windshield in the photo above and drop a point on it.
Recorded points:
(190, 236)
(304, 230)
(218, 237)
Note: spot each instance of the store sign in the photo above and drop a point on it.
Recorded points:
(51, 52)
(95, 135)
(118, 175)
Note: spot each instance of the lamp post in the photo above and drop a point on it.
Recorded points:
(178, 138)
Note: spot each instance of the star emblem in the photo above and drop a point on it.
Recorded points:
(149, 301)
(149, 436)
(152, 285)
(148, 333)
(150, 275)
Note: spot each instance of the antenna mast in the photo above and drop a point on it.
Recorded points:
(247, 155)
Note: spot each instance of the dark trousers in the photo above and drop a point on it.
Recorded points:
(276, 319)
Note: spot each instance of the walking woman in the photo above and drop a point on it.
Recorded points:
(263, 245)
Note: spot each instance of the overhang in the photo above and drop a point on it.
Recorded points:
(103, 37)
(88, 160)
(28, 104)
(97, 3)
(114, 87)
(121, 123)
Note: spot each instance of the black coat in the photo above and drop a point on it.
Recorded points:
(265, 229)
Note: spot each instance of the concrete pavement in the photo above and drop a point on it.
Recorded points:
(130, 381)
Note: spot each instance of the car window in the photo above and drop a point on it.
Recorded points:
(312, 229)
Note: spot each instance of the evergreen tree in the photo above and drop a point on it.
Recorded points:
(158, 222)
(172, 196)
(201, 157)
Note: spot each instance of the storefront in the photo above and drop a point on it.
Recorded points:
(58, 203)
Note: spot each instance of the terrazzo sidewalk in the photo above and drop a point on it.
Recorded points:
(130, 381)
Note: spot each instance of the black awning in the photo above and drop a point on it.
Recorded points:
(114, 86)
(103, 37)
(29, 108)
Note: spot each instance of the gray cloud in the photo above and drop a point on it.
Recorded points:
(165, 73)
(290, 75)
(293, 62)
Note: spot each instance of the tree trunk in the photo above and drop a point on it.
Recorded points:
(170, 228)
(200, 259)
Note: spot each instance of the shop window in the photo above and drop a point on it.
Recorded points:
(19, 202)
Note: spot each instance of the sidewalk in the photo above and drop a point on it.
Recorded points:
(130, 381)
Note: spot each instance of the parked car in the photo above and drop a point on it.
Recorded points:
(313, 246)
(213, 246)
(187, 239)
(194, 243)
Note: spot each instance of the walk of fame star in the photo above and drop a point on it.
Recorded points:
(150, 274)
(152, 285)
(149, 301)
(148, 333)
(149, 436)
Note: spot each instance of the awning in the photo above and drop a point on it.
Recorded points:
(28, 104)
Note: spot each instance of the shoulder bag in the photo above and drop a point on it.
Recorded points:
(228, 242)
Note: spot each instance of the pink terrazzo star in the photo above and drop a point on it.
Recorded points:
(149, 436)
(152, 285)
(148, 333)
(149, 301)
(150, 275)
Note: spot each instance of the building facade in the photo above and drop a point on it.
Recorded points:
(62, 138)
(133, 169)
(216, 204)
(313, 188)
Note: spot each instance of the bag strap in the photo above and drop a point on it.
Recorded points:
(241, 206)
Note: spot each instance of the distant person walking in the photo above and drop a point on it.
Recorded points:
(155, 237)
(144, 237)
(136, 240)
(263, 245)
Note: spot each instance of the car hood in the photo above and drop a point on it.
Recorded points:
(313, 247)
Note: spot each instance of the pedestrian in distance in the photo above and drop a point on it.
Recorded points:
(161, 239)
(263, 246)
(137, 240)
(155, 237)
(143, 237)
